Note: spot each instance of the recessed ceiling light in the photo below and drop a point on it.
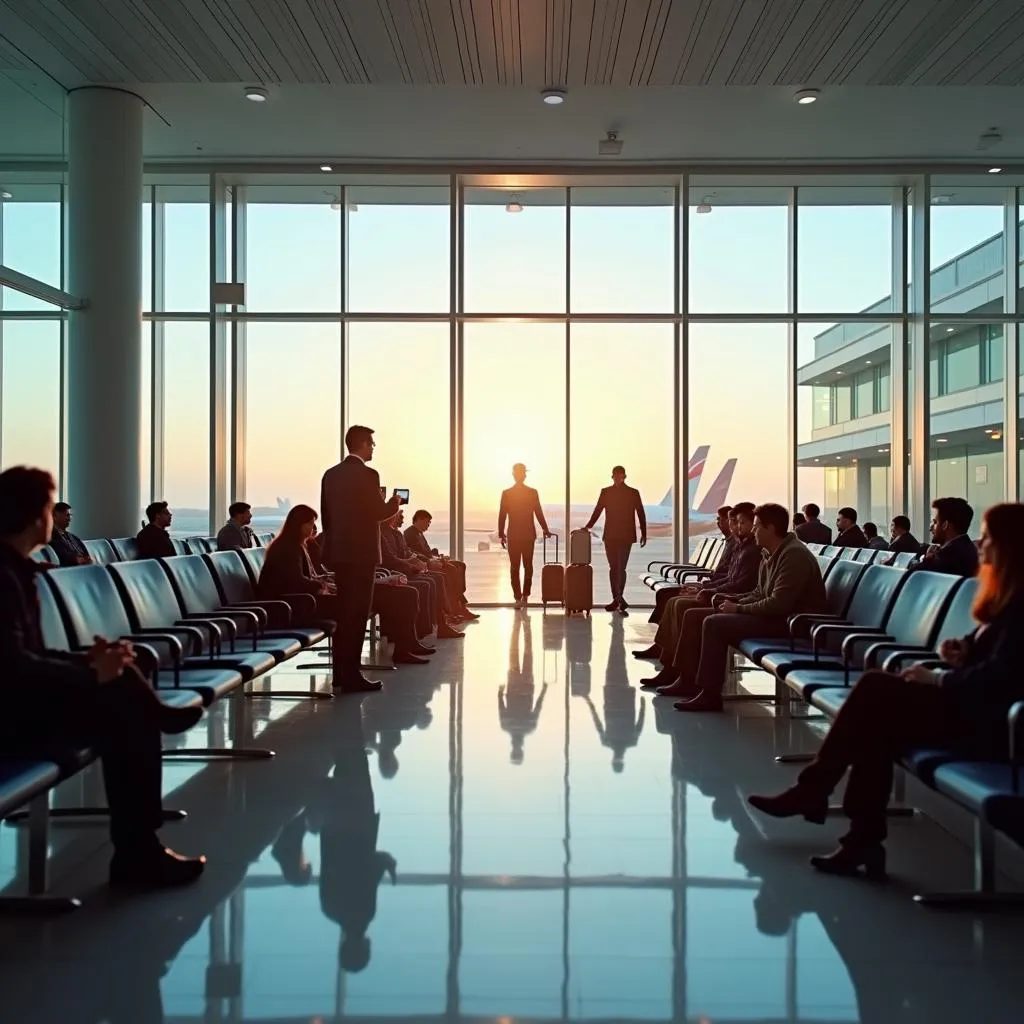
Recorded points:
(553, 97)
(839, 458)
(6, 195)
(995, 170)
(326, 167)
(256, 93)
(514, 206)
(839, 373)
(942, 440)
(950, 330)
(817, 460)
(806, 96)
(867, 362)
(996, 436)
(989, 431)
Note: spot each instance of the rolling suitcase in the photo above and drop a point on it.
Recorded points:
(552, 578)
(579, 547)
(579, 588)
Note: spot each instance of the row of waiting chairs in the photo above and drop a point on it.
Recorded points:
(879, 617)
(201, 634)
(709, 551)
(126, 549)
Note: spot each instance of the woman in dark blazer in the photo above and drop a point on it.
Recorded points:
(961, 707)
(287, 567)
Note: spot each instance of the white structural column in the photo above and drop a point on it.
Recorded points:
(104, 247)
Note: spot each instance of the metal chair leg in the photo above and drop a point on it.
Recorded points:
(38, 846)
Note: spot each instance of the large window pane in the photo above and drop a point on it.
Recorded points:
(843, 451)
(966, 417)
(186, 224)
(186, 435)
(146, 417)
(739, 244)
(737, 383)
(398, 248)
(510, 417)
(292, 415)
(292, 249)
(615, 367)
(408, 410)
(623, 250)
(31, 240)
(30, 433)
(844, 250)
(514, 250)
(967, 250)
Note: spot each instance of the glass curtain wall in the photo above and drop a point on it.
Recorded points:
(722, 339)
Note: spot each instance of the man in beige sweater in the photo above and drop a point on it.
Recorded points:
(789, 583)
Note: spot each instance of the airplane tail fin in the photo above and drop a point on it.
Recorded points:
(694, 471)
(667, 500)
(719, 490)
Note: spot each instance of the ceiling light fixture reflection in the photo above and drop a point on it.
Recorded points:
(256, 93)
(942, 440)
(553, 97)
(950, 330)
(326, 167)
(996, 436)
(805, 97)
(6, 195)
(514, 205)
(995, 170)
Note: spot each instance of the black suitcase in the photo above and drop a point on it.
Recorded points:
(552, 578)
(579, 588)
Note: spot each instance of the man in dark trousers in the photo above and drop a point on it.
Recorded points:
(520, 505)
(352, 510)
(622, 509)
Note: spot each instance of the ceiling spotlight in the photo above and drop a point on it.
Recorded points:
(704, 206)
(553, 97)
(6, 195)
(989, 431)
(950, 330)
(996, 436)
(610, 145)
(995, 170)
(326, 167)
(514, 205)
(942, 440)
(256, 93)
(867, 362)
(806, 96)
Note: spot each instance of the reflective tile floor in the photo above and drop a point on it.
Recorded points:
(512, 834)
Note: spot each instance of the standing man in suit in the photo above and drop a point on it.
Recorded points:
(622, 508)
(352, 510)
(520, 505)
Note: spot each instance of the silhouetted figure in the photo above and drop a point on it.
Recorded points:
(153, 539)
(623, 509)
(874, 541)
(812, 530)
(352, 510)
(520, 506)
(848, 533)
(951, 550)
(900, 537)
(236, 533)
(517, 712)
(70, 549)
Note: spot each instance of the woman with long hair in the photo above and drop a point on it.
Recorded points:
(961, 707)
(287, 567)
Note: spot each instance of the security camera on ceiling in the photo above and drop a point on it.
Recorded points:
(610, 145)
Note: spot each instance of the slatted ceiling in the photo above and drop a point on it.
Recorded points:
(522, 42)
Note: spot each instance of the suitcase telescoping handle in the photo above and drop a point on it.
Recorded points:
(545, 548)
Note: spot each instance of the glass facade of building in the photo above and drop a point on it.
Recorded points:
(772, 328)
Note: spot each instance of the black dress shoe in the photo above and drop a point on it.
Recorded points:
(666, 677)
(613, 607)
(155, 869)
(358, 684)
(850, 858)
(652, 653)
(405, 658)
(174, 721)
(702, 702)
(792, 803)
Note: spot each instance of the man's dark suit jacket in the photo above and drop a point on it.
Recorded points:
(393, 556)
(958, 557)
(352, 510)
(26, 661)
(418, 543)
(852, 538)
(814, 531)
(905, 542)
(622, 508)
(68, 547)
(520, 505)
(154, 542)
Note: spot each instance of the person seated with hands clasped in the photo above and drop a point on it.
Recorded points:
(960, 705)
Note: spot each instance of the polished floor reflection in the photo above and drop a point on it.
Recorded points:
(514, 833)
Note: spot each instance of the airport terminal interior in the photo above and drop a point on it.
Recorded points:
(762, 251)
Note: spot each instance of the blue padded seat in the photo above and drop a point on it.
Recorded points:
(101, 551)
(986, 789)
(782, 663)
(805, 681)
(828, 698)
(210, 684)
(21, 780)
(924, 763)
(126, 548)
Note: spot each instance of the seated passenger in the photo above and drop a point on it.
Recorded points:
(813, 531)
(663, 594)
(789, 582)
(849, 534)
(287, 566)
(397, 605)
(236, 533)
(961, 707)
(455, 571)
(798, 520)
(874, 541)
(70, 550)
(951, 550)
(900, 537)
(741, 579)
(153, 539)
(55, 700)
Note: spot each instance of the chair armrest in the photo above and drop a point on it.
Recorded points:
(175, 647)
(257, 617)
(277, 612)
(857, 634)
(1015, 719)
(301, 604)
(693, 574)
(190, 637)
(871, 655)
(217, 628)
(827, 630)
(802, 622)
